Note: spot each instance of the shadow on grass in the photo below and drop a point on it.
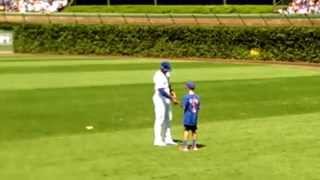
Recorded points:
(179, 141)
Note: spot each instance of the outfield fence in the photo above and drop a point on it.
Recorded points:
(164, 19)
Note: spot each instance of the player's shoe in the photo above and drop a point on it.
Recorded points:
(160, 144)
(172, 143)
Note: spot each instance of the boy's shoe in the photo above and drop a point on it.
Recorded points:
(195, 148)
(185, 149)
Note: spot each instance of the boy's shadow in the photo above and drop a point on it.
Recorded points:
(179, 142)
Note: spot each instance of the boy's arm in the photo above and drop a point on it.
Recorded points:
(184, 103)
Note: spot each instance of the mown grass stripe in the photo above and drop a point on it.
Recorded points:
(107, 67)
(69, 62)
(76, 79)
(52, 57)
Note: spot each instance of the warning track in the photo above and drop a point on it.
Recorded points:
(163, 19)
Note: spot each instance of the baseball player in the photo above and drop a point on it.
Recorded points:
(162, 98)
(191, 106)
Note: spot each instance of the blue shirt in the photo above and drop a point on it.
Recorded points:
(191, 106)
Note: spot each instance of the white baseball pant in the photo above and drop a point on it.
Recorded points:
(163, 118)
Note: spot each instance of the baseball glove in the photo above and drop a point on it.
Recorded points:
(174, 97)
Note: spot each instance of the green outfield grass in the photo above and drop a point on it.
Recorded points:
(257, 121)
(178, 9)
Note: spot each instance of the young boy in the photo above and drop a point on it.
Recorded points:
(191, 106)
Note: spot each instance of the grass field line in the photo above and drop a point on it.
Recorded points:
(31, 60)
(111, 67)
(85, 79)
(51, 58)
(70, 62)
(309, 67)
(17, 58)
(288, 141)
(112, 64)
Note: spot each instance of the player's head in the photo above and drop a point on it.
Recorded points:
(190, 85)
(165, 66)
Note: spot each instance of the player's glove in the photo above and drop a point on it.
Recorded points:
(174, 97)
(175, 101)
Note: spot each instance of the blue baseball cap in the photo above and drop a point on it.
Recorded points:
(165, 65)
(190, 85)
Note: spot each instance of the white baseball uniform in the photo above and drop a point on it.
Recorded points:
(162, 108)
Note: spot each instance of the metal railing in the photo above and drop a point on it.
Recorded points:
(164, 19)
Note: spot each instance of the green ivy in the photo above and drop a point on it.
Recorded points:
(272, 43)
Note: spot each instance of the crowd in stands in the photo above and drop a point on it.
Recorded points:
(302, 7)
(45, 6)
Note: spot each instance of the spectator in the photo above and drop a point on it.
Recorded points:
(302, 7)
(7, 5)
(45, 6)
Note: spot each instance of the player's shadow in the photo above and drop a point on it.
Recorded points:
(178, 141)
(200, 146)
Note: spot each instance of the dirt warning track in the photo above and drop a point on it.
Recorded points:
(163, 19)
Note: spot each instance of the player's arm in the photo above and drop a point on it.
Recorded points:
(164, 93)
(170, 87)
(173, 94)
(169, 96)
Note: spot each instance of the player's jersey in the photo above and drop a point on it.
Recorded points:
(160, 81)
(191, 106)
